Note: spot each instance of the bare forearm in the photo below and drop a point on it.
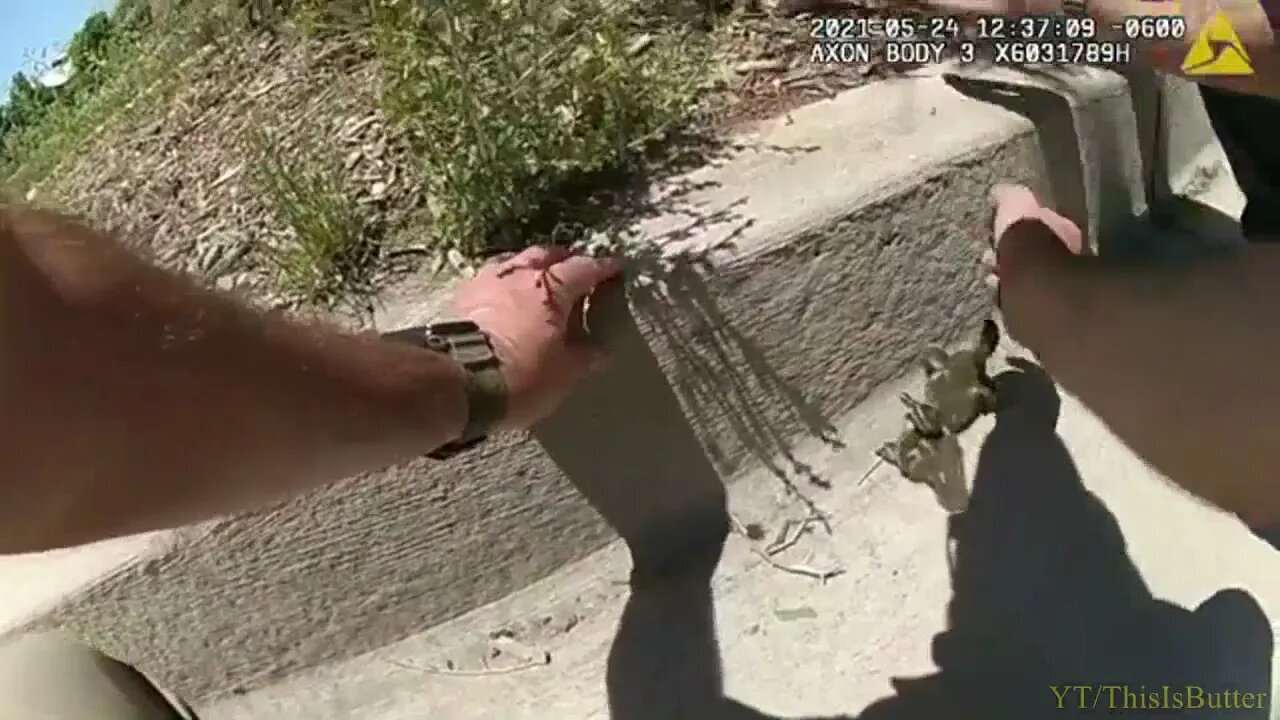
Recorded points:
(1179, 362)
(135, 401)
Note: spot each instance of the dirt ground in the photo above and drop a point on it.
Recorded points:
(177, 181)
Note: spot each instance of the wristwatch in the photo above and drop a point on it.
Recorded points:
(486, 387)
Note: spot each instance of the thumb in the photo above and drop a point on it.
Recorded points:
(1013, 203)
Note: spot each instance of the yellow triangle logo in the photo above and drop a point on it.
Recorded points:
(1217, 51)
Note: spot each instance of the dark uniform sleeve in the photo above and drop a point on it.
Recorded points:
(1243, 123)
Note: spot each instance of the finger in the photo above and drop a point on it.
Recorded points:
(576, 329)
(541, 257)
(535, 257)
(586, 351)
(578, 275)
(1013, 203)
(605, 311)
(1067, 231)
(497, 262)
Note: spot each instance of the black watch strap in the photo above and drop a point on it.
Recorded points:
(486, 387)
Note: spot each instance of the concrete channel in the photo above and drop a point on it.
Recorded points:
(778, 300)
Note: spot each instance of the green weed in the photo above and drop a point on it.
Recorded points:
(327, 260)
(506, 103)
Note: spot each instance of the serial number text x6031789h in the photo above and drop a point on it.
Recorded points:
(1064, 53)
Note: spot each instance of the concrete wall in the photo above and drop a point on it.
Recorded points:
(854, 242)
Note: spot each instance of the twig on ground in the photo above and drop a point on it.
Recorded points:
(874, 466)
(738, 526)
(415, 251)
(264, 90)
(530, 665)
(792, 531)
(821, 576)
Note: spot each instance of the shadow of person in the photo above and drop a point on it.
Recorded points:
(1049, 615)
(1044, 594)
(665, 660)
(654, 484)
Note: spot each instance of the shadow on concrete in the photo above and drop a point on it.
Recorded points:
(658, 482)
(725, 380)
(665, 659)
(650, 480)
(728, 399)
(1045, 595)
(655, 485)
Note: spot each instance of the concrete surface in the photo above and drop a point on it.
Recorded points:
(1192, 157)
(34, 582)
(851, 250)
(1074, 564)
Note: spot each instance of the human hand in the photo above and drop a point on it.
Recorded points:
(1020, 243)
(531, 305)
(1028, 262)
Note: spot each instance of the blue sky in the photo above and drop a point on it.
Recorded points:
(29, 26)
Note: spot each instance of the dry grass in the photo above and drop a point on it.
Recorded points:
(181, 181)
(327, 260)
(400, 131)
